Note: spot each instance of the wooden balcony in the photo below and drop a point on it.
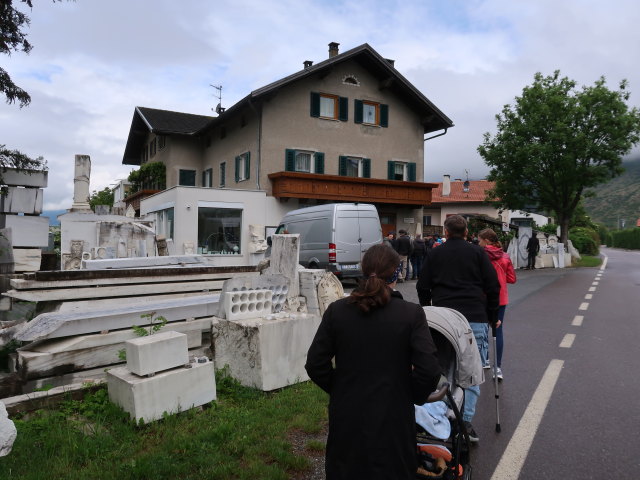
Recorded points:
(352, 189)
(135, 198)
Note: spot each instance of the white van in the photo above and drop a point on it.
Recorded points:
(334, 236)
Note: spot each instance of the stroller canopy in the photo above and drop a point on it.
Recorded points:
(454, 327)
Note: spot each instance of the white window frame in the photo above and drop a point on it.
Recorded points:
(242, 167)
(360, 165)
(405, 169)
(311, 161)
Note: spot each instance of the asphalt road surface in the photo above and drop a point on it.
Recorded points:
(570, 401)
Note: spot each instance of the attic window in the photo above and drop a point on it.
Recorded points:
(350, 80)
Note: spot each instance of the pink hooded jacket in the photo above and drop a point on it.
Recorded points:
(504, 268)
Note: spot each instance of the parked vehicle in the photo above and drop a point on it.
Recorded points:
(334, 236)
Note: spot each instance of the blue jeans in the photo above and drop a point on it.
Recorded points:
(471, 394)
(416, 264)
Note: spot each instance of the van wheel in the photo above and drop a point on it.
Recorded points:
(313, 265)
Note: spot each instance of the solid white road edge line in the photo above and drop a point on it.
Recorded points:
(516, 452)
(567, 341)
(577, 320)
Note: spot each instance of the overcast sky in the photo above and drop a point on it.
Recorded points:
(94, 61)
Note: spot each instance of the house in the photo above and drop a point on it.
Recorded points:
(348, 129)
(469, 198)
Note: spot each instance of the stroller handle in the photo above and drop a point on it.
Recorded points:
(439, 395)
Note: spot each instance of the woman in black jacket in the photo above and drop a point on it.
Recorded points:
(384, 364)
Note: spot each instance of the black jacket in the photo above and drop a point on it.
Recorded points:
(373, 386)
(419, 248)
(459, 275)
(403, 245)
(533, 245)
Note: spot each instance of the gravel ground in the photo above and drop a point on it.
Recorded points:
(299, 441)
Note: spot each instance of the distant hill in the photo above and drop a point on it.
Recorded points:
(617, 199)
(53, 216)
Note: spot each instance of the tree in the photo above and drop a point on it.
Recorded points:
(556, 141)
(12, 39)
(103, 197)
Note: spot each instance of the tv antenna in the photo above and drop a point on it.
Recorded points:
(219, 108)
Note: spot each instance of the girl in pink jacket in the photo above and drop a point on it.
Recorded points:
(506, 274)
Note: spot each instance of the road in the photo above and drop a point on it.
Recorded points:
(569, 404)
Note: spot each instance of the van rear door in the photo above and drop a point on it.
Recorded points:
(369, 228)
(347, 239)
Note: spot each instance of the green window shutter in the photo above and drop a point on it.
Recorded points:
(204, 179)
(343, 114)
(247, 166)
(412, 172)
(289, 160)
(319, 158)
(357, 111)
(391, 169)
(366, 168)
(342, 166)
(223, 174)
(384, 115)
(315, 104)
(187, 178)
(237, 169)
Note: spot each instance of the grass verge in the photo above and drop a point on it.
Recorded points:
(588, 261)
(242, 435)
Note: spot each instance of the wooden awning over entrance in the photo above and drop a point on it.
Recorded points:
(334, 187)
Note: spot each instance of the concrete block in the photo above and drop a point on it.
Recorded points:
(26, 231)
(27, 259)
(12, 176)
(8, 432)
(158, 352)
(21, 200)
(247, 304)
(172, 391)
(278, 284)
(141, 262)
(266, 353)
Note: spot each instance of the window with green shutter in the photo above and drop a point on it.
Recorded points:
(243, 167)
(343, 115)
(366, 168)
(303, 161)
(357, 111)
(315, 104)
(354, 167)
(223, 173)
(371, 113)
(403, 171)
(412, 172)
(391, 170)
(319, 162)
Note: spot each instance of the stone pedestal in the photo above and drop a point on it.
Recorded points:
(82, 174)
(266, 353)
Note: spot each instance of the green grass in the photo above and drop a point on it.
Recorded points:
(242, 435)
(587, 261)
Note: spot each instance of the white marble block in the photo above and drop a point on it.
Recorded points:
(172, 391)
(247, 304)
(266, 353)
(27, 259)
(158, 352)
(8, 431)
(27, 231)
(21, 200)
(25, 178)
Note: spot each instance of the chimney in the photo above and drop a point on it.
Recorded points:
(333, 49)
(307, 63)
(391, 62)
(446, 185)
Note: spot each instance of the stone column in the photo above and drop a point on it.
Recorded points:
(82, 174)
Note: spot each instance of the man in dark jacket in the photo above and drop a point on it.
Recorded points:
(533, 247)
(459, 275)
(417, 256)
(403, 247)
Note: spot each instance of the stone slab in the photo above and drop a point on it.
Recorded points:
(285, 256)
(267, 353)
(155, 353)
(22, 200)
(13, 177)
(55, 325)
(26, 231)
(247, 304)
(172, 391)
(8, 432)
(27, 259)
(141, 262)
(309, 279)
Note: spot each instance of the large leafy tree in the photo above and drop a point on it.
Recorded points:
(14, 39)
(555, 141)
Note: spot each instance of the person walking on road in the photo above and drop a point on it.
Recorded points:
(459, 275)
(374, 355)
(417, 256)
(533, 247)
(488, 239)
(403, 247)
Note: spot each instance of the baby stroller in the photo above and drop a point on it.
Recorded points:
(443, 442)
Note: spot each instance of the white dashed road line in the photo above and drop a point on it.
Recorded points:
(588, 296)
(577, 321)
(567, 341)
(583, 306)
(592, 289)
(516, 452)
